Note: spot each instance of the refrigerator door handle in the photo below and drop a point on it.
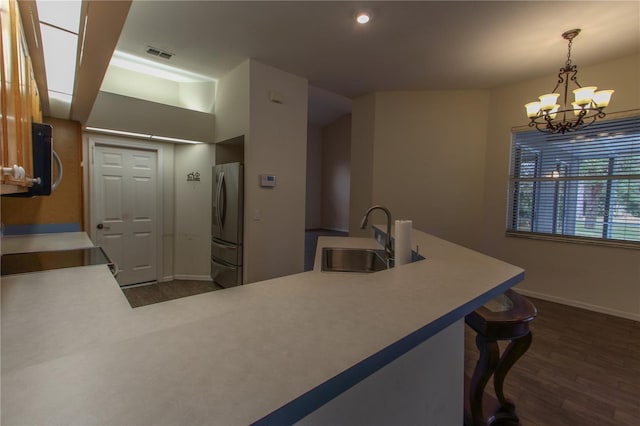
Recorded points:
(223, 199)
(218, 196)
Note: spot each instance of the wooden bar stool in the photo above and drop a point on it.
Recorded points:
(506, 317)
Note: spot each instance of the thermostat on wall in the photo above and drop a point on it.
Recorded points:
(268, 180)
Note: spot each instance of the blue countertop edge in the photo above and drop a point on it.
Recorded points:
(45, 228)
(315, 398)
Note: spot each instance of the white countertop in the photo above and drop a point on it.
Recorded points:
(75, 352)
(43, 242)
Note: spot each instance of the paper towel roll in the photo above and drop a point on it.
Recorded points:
(403, 241)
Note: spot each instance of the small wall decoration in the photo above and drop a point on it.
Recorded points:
(193, 177)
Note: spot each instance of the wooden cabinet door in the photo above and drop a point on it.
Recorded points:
(16, 99)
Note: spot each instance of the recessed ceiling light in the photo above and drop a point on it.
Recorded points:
(363, 17)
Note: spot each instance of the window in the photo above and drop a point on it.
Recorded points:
(582, 186)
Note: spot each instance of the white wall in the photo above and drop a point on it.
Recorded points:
(195, 96)
(198, 96)
(277, 144)
(442, 160)
(134, 84)
(328, 175)
(112, 111)
(362, 134)
(313, 203)
(427, 165)
(599, 278)
(193, 212)
(232, 104)
(168, 236)
(336, 174)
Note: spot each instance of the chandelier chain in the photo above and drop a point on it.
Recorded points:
(569, 53)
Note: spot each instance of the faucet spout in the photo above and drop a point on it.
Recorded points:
(388, 250)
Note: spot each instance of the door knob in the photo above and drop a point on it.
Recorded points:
(100, 226)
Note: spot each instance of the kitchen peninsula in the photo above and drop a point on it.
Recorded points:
(303, 347)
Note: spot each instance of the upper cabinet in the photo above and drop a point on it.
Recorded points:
(20, 102)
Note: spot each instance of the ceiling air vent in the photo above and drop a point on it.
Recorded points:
(159, 52)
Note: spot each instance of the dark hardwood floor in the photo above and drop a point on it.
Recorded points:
(161, 292)
(583, 368)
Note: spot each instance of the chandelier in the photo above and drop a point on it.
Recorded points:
(549, 116)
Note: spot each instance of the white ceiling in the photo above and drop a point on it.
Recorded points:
(411, 45)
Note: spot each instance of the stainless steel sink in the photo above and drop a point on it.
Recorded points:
(335, 259)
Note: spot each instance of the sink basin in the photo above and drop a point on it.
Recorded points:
(335, 259)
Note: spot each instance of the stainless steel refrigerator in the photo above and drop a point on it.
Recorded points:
(227, 224)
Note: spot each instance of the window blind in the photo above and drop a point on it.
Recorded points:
(581, 186)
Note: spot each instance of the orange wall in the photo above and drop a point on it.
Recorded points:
(64, 206)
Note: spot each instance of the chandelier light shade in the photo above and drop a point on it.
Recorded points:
(548, 115)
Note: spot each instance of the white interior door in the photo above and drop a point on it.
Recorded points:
(124, 210)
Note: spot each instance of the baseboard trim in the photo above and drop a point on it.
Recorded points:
(576, 304)
(165, 279)
(193, 277)
(146, 283)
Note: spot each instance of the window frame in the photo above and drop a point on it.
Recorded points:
(563, 183)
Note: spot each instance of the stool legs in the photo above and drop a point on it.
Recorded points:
(486, 365)
(509, 323)
(511, 354)
(491, 363)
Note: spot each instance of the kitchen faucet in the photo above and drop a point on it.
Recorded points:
(388, 250)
